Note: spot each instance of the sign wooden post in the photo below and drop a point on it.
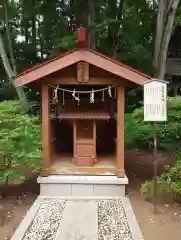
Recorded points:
(155, 110)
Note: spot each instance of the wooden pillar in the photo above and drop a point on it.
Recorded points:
(94, 139)
(74, 139)
(46, 131)
(120, 132)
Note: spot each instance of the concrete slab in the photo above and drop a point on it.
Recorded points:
(79, 222)
(63, 185)
(131, 218)
(56, 179)
(26, 222)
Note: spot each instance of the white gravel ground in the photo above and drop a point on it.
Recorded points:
(46, 220)
(112, 222)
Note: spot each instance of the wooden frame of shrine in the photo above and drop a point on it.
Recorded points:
(83, 87)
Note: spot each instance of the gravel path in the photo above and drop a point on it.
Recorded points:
(46, 221)
(112, 222)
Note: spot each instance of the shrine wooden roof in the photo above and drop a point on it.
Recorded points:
(84, 115)
(94, 111)
(81, 53)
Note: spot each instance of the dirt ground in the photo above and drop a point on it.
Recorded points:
(15, 210)
(165, 225)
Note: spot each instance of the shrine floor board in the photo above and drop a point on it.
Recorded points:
(64, 165)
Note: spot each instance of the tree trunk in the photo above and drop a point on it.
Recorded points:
(112, 14)
(72, 15)
(166, 39)
(154, 2)
(159, 33)
(33, 42)
(90, 22)
(8, 32)
(115, 13)
(117, 30)
(11, 74)
(165, 20)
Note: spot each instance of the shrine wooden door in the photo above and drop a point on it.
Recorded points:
(85, 149)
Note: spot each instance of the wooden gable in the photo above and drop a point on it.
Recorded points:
(78, 56)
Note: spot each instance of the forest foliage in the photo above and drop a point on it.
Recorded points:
(20, 143)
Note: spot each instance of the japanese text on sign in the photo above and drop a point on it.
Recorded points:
(155, 101)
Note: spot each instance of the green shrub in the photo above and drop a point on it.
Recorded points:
(20, 142)
(168, 182)
(137, 134)
(140, 134)
(169, 138)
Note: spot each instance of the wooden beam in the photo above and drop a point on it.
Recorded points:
(80, 171)
(73, 81)
(74, 139)
(46, 132)
(120, 131)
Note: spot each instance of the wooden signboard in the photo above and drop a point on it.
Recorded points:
(82, 72)
(155, 101)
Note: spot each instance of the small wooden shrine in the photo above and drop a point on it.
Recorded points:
(83, 120)
(82, 110)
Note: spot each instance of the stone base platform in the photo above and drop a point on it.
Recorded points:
(82, 186)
